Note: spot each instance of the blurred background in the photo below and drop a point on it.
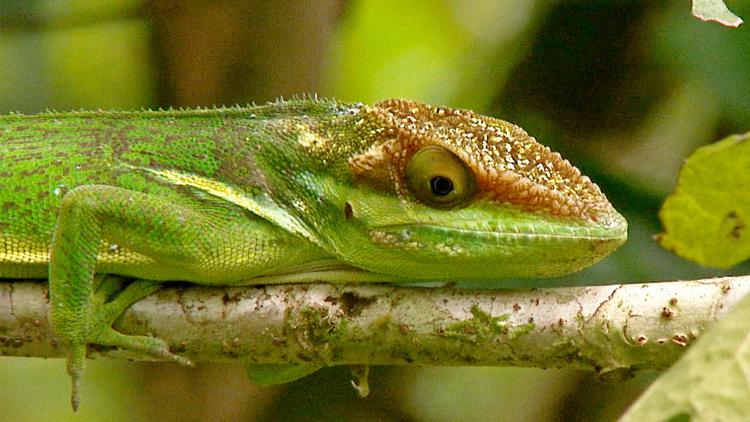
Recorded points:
(624, 89)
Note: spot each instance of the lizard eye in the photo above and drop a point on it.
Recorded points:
(438, 178)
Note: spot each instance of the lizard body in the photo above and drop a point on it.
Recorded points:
(292, 191)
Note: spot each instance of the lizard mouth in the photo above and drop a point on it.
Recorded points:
(498, 244)
(489, 251)
(493, 230)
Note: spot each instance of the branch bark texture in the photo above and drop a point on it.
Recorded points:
(611, 329)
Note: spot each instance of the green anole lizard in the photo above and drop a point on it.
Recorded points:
(297, 191)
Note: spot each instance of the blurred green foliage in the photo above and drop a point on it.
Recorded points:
(73, 54)
(626, 90)
(437, 52)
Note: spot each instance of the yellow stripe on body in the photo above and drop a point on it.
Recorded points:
(22, 250)
(261, 205)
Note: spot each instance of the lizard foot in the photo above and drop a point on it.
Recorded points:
(107, 306)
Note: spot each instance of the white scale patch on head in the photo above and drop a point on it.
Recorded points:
(404, 241)
(311, 140)
(367, 160)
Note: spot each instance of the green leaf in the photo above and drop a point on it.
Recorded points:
(715, 10)
(710, 382)
(707, 218)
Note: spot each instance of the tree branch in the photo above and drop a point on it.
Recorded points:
(604, 328)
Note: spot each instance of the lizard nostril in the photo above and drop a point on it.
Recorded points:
(348, 211)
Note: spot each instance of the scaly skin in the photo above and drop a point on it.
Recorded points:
(292, 191)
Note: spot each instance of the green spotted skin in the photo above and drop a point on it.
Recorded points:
(46, 158)
(297, 191)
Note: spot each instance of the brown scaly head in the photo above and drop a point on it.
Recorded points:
(443, 193)
(508, 166)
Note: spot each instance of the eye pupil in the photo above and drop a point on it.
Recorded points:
(441, 186)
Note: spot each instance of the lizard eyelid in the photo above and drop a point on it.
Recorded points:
(439, 179)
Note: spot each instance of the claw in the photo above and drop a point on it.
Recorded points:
(361, 382)
(75, 366)
(75, 393)
(165, 354)
(181, 360)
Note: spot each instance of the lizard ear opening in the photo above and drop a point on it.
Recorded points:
(439, 179)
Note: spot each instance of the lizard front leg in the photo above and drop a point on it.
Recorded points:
(174, 237)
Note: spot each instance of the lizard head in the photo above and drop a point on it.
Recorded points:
(440, 193)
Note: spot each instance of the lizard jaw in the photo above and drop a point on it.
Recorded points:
(513, 250)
